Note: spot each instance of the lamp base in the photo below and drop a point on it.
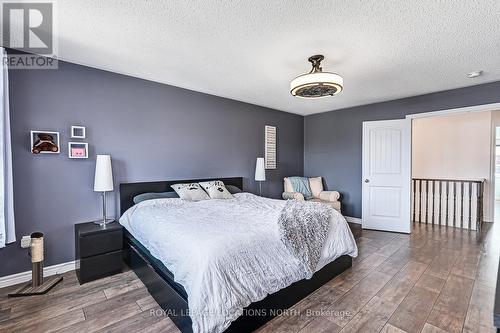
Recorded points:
(104, 222)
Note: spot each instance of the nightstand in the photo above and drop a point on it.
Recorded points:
(98, 250)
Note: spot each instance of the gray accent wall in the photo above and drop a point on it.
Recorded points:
(152, 131)
(332, 140)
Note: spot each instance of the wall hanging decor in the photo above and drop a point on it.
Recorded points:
(44, 142)
(77, 132)
(270, 147)
(78, 150)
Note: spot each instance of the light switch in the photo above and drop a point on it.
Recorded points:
(26, 242)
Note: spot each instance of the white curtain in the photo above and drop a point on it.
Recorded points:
(7, 231)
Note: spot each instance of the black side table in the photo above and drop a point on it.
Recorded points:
(99, 250)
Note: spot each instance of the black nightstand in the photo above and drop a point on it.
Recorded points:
(98, 250)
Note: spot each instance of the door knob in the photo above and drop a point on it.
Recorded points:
(367, 180)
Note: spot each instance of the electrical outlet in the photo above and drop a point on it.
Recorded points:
(26, 242)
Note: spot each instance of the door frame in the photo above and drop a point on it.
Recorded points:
(468, 109)
(494, 125)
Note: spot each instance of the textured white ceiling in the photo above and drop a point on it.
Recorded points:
(250, 50)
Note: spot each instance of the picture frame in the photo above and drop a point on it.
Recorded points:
(78, 132)
(39, 142)
(270, 147)
(78, 150)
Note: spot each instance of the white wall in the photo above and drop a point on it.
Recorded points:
(454, 147)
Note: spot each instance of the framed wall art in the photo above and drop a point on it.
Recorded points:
(44, 142)
(78, 132)
(78, 150)
(270, 147)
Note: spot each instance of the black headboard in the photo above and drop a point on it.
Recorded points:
(129, 190)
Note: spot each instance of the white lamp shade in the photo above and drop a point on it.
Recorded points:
(103, 180)
(260, 171)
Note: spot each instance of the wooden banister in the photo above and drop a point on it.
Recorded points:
(447, 211)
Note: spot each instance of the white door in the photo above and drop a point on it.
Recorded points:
(387, 175)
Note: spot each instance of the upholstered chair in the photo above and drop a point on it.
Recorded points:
(319, 195)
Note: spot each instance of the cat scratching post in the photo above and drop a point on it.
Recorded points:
(36, 259)
(37, 286)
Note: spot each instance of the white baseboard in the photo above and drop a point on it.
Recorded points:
(353, 219)
(13, 279)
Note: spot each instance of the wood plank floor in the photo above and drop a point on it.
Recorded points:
(437, 279)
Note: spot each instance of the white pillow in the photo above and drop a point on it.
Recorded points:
(191, 192)
(216, 190)
(316, 185)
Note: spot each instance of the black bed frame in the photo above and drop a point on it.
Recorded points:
(172, 297)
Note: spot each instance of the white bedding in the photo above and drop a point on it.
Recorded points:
(226, 253)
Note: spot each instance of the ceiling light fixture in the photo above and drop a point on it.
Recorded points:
(474, 74)
(316, 83)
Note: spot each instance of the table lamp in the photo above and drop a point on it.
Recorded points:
(260, 172)
(103, 182)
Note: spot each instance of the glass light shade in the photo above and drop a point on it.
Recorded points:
(103, 180)
(317, 84)
(260, 171)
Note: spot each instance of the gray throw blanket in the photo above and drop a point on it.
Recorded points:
(303, 228)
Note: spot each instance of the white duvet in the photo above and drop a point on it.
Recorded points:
(226, 253)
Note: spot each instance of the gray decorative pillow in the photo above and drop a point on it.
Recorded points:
(191, 192)
(233, 189)
(216, 190)
(154, 195)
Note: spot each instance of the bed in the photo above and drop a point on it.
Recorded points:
(225, 256)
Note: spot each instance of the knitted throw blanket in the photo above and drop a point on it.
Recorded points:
(303, 229)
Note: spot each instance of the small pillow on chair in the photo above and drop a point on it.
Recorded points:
(316, 184)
